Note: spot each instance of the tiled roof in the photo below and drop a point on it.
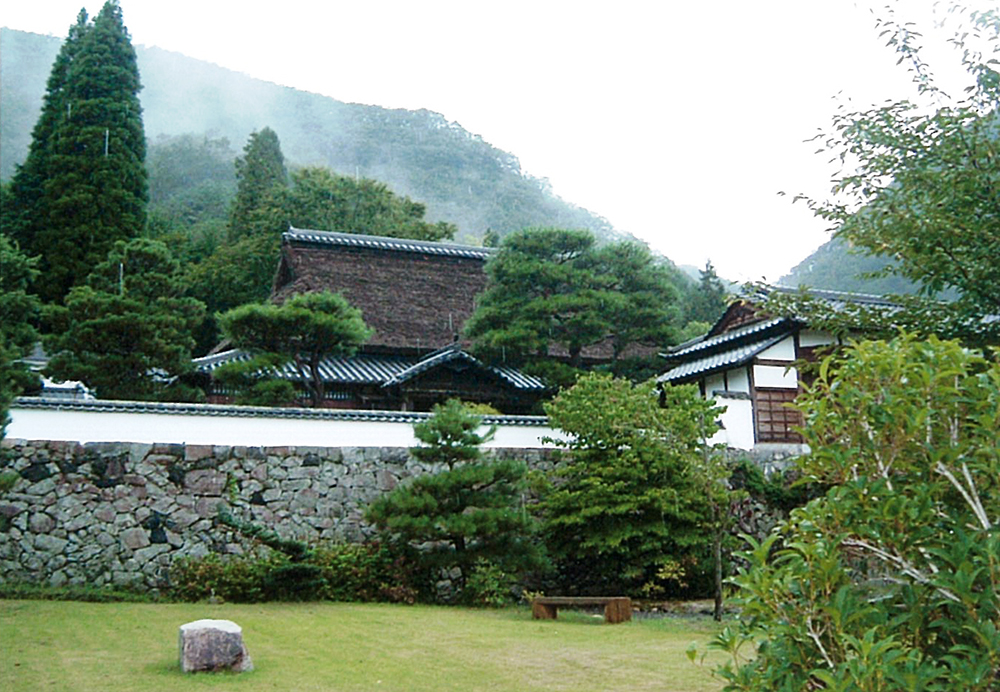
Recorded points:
(365, 368)
(384, 243)
(750, 332)
(711, 362)
(106, 406)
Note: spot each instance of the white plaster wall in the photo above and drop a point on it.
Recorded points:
(775, 376)
(713, 383)
(783, 350)
(737, 424)
(257, 431)
(810, 338)
(739, 380)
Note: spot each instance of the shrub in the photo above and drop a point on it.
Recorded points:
(488, 586)
(889, 580)
(236, 579)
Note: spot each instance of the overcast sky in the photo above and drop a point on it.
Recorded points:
(678, 121)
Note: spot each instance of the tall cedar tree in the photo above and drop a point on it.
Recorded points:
(91, 172)
(467, 511)
(128, 332)
(260, 173)
(18, 314)
(627, 506)
(24, 213)
(304, 330)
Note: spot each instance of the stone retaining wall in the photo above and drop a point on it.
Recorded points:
(119, 513)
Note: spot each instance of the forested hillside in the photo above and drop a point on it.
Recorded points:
(461, 178)
(835, 266)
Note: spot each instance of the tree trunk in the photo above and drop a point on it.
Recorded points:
(717, 554)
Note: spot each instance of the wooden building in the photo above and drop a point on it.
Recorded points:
(415, 296)
(746, 362)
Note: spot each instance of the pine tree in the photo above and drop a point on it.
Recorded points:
(467, 511)
(83, 186)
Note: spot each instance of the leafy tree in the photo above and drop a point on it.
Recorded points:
(552, 289)
(708, 300)
(470, 509)
(18, 314)
(304, 330)
(127, 333)
(889, 580)
(919, 185)
(84, 186)
(260, 173)
(625, 511)
(321, 199)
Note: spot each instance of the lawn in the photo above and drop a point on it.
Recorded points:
(49, 645)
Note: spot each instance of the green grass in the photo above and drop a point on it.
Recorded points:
(49, 645)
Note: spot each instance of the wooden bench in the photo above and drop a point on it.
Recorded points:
(616, 608)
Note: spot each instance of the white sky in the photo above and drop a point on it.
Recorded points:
(677, 121)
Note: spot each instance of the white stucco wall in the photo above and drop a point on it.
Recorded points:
(214, 428)
(775, 376)
(783, 350)
(737, 424)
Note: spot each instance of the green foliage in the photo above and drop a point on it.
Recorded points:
(85, 593)
(128, 333)
(488, 586)
(18, 314)
(260, 174)
(920, 187)
(553, 288)
(8, 479)
(626, 500)
(887, 581)
(321, 199)
(466, 512)
(304, 330)
(253, 382)
(708, 299)
(335, 571)
(84, 187)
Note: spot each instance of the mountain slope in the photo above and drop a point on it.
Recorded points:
(460, 177)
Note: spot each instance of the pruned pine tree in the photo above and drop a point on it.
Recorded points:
(469, 510)
(304, 330)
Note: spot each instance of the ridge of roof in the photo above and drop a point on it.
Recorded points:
(225, 410)
(377, 242)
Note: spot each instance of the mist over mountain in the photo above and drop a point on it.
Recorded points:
(835, 266)
(460, 177)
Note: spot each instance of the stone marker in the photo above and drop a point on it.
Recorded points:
(213, 645)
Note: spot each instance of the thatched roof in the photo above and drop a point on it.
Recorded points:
(413, 294)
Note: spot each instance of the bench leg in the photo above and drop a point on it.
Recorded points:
(540, 611)
(617, 611)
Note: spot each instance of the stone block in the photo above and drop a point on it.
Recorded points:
(205, 482)
(213, 645)
(135, 538)
(49, 544)
(197, 452)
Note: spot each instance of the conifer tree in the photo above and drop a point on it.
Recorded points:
(23, 211)
(259, 172)
(89, 154)
(127, 333)
(467, 511)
